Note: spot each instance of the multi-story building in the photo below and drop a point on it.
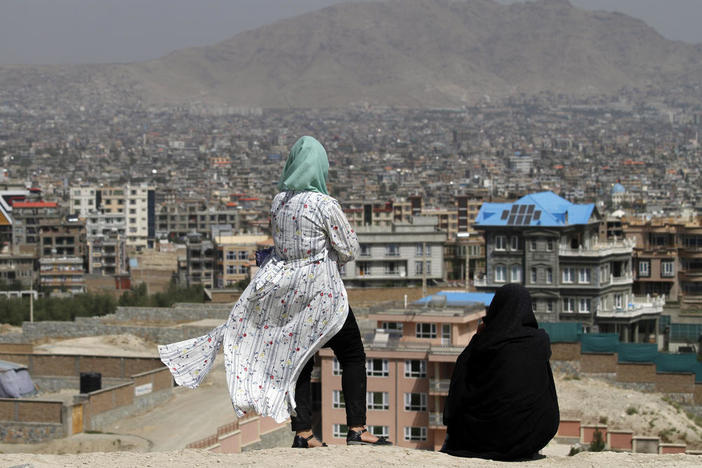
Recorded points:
(668, 259)
(235, 256)
(62, 274)
(199, 262)
(409, 363)
(177, 220)
(106, 238)
(377, 213)
(135, 202)
(552, 247)
(402, 253)
(17, 267)
(26, 218)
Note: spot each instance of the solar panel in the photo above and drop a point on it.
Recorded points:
(531, 209)
(522, 209)
(510, 220)
(527, 219)
(505, 213)
(515, 209)
(520, 220)
(537, 214)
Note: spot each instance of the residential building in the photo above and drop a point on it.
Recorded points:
(235, 256)
(402, 253)
(552, 247)
(62, 274)
(26, 217)
(135, 202)
(177, 220)
(668, 258)
(409, 362)
(17, 267)
(199, 262)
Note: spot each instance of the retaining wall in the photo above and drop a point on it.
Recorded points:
(636, 372)
(248, 433)
(598, 363)
(70, 365)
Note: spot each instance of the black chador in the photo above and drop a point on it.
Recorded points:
(502, 401)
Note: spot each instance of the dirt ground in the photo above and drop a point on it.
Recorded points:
(336, 456)
(106, 345)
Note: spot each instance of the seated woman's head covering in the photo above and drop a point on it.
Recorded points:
(502, 400)
(306, 168)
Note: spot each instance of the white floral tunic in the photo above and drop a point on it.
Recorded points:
(294, 304)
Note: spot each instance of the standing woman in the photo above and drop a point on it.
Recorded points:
(502, 401)
(294, 304)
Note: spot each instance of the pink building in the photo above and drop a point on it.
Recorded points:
(410, 360)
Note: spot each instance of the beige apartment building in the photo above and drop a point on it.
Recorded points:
(235, 256)
(409, 362)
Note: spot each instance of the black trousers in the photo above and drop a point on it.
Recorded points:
(348, 349)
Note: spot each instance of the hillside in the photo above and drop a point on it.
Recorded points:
(411, 53)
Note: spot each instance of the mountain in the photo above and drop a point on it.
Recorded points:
(414, 53)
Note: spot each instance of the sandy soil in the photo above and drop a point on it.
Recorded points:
(107, 345)
(336, 456)
(7, 328)
(596, 401)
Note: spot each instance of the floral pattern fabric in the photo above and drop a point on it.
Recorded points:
(294, 304)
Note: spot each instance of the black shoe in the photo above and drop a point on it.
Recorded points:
(354, 438)
(301, 442)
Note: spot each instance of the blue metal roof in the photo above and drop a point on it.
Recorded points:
(459, 299)
(536, 209)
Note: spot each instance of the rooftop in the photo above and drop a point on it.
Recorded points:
(536, 209)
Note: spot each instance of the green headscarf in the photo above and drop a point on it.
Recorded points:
(306, 168)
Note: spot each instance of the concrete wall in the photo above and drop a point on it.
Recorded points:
(598, 363)
(636, 372)
(16, 348)
(620, 440)
(569, 428)
(30, 421)
(70, 365)
(697, 397)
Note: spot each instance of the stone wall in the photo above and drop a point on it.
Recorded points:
(669, 382)
(65, 365)
(565, 351)
(29, 433)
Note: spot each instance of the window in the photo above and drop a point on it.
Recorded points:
(500, 273)
(644, 268)
(514, 243)
(339, 431)
(336, 367)
(391, 268)
(243, 269)
(533, 275)
(391, 326)
(418, 267)
(377, 368)
(604, 273)
(231, 255)
(667, 268)
(363, 268)
(420, 252)
(533, 246)
(132, 211)
(516, 274)
(425, 330)
(584, 306)
(243, 255)
(618, 301)
(549, 275)
(365, 250)
(338, 399)
(415, 368)
(568, 305)
(549, 305)
(584, 275)
(415, 401)
(415, 433)
(500, 243)
(392, 250)
(549, 245)
(231, 269)
(377, 400)
(446, 333)
(568, 275)
(379, 431)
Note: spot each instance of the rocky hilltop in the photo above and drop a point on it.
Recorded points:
(404, 53)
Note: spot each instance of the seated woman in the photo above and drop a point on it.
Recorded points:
(502, 401)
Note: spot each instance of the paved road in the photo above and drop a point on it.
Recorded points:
(190, 415)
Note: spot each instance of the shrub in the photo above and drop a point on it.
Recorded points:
(597, 444)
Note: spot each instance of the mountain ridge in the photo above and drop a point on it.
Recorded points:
(415, 53)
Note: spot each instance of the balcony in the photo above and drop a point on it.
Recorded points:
(436, 421)
(634, 309)
(625, 246)
(480, 282)
(439, 386)
(624, 279)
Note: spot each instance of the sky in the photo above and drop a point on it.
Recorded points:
(93, 31)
